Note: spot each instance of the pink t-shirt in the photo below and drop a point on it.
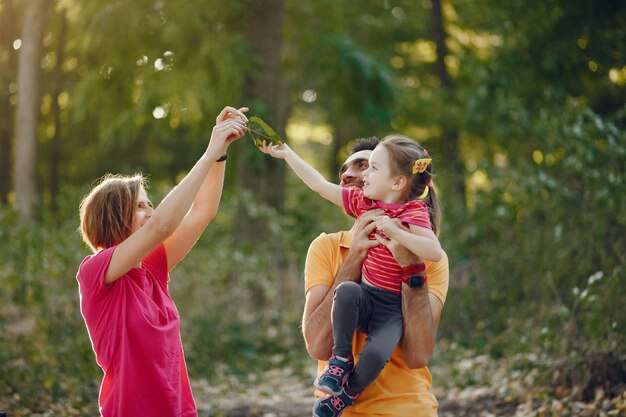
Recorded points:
(380, 267)
(134, 329)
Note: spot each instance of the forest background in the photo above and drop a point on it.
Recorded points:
(522, 104)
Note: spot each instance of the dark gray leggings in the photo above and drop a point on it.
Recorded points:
(376, 312)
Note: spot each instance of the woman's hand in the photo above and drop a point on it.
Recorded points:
(277, 151)
(232, 113)
(230, 126)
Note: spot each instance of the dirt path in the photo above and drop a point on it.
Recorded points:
(279, 393)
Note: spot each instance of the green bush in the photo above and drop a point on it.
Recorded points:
(543, 265)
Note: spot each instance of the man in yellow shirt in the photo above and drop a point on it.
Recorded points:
(403, 387)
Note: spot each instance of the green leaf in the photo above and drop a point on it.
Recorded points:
(260, 131)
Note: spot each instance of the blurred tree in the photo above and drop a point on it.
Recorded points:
(27, 111)
(450, 150)
(265, 91)
(8, 34)
(261, 179)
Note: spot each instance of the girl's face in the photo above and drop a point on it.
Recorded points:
(378, 180)
(143, 211)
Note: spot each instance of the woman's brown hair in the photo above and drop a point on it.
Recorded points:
(106, 213)
(404, 151)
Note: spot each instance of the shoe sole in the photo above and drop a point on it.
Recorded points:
(315, 406)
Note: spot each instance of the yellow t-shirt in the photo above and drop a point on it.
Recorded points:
(398, 391)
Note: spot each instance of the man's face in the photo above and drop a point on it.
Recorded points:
(352, 171)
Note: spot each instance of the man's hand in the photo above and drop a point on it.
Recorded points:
(363, 227)
(401, 254)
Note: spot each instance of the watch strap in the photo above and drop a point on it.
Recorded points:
(410, 274)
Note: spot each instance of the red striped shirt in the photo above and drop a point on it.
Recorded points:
(380, 268)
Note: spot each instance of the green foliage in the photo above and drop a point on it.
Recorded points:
(548, 234)
(46, 355)
(537, 97)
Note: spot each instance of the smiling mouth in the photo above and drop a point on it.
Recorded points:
(354, 184)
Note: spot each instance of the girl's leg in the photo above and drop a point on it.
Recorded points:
(351, 310)
(385, 331)
(349, 305)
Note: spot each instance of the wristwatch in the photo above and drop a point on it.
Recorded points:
(414, 275)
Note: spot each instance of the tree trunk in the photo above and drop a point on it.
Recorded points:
(261, 178)
(450, 136)
(258, 175)
(7, 76)
(27, 111)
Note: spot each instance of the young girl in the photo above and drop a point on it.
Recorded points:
(132, 321)
(398, 181)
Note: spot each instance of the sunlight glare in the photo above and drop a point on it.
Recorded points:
(398, 12)
(159, 112)
(301, 132)
(309, 96)
(618, 76)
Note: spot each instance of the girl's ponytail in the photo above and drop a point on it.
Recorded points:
(434, 209)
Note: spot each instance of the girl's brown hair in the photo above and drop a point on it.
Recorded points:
(106, 213)
(403, 152)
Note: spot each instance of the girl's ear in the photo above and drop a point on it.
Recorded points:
(399, 183)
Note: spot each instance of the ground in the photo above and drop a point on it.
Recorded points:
(280, 393)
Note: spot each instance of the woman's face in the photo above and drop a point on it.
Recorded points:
(143, 210)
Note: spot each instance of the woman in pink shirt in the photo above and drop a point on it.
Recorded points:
(132, 321)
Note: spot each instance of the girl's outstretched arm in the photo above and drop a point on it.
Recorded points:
(308, 174)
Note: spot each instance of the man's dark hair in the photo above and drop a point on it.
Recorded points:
(363, 144)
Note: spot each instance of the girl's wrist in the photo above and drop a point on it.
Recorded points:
(288, 154)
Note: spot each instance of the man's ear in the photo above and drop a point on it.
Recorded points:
(399, 183)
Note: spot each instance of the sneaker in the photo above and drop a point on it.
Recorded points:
(334, 376)
(332, 405)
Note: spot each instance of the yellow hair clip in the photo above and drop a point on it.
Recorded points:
(420, 165)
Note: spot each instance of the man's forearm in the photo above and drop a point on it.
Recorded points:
(420, 327)
(317, 328)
